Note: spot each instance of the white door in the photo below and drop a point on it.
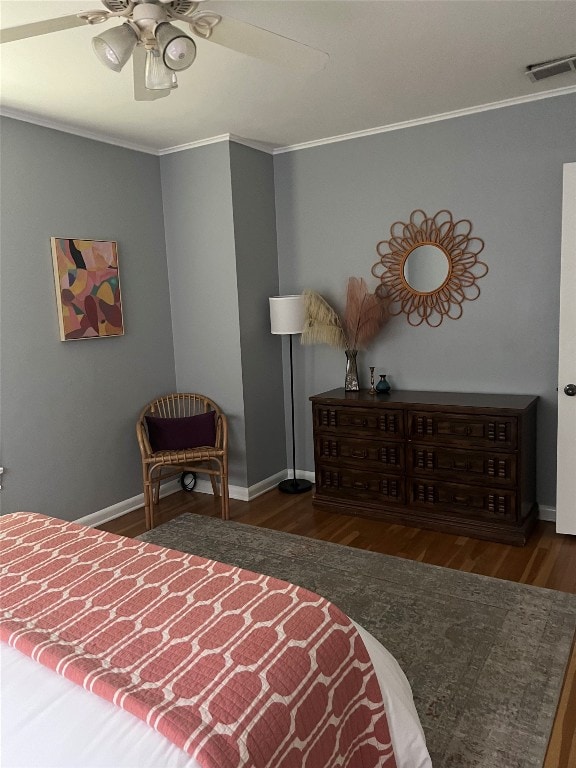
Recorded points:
(566, 490)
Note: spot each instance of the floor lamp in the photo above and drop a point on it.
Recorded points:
(287, 315)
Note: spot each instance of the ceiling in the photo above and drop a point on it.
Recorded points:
(391, 61)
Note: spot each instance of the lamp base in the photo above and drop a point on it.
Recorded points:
(295, 486)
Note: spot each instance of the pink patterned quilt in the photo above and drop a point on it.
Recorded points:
(234, 667)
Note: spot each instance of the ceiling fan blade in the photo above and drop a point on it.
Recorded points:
(263, 44)
(40, 28)
(141, 93)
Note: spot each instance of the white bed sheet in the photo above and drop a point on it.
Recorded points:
(46, 721)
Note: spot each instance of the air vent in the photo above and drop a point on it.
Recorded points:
(544, 69)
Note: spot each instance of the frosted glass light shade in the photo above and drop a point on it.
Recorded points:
(287, 314)
(157, 77)
(177, 49)
(115, 46)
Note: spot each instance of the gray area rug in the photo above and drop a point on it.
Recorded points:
(485, 657)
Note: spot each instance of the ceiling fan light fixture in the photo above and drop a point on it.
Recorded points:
(177, 49)
(115, 46)
(157, 76)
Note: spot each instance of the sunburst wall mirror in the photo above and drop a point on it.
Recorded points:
(429, 267)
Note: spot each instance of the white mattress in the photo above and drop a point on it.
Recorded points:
(49, 722)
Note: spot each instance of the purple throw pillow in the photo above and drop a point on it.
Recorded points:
(168, 434)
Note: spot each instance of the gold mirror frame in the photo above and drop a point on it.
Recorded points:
(464, 267)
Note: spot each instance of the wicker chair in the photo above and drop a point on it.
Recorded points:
(210, 460)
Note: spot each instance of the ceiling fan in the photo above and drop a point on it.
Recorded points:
(159, 49)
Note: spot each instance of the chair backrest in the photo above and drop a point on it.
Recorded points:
(179, 405)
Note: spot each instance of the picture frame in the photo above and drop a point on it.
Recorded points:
(87, 283)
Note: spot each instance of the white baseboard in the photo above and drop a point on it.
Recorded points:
(253, 491)
(123, 507)
(240, 492)
(547, 513)
(247, 494)
(202, 486)
(235, 492)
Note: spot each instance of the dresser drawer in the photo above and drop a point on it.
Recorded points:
(342, 482)
(367, 422)
(463, 500)
(462, 463)
(377, 455)
(463, 430)
(457, 465)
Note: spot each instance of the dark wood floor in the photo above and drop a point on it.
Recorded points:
(548, 560)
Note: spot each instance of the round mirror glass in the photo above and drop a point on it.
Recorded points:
(426, 268)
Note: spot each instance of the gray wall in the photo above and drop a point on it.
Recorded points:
(252, 174)
(202, 272)
(222, 265)
(501, 169)
(69, 408)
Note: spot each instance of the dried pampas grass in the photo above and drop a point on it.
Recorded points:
(322, 325)
(365, 314)
(364, 317)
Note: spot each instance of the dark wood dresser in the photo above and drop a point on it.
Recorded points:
(455, 462)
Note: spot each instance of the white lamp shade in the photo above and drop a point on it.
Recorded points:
(115, 46)
(177, 49)
(287, 314)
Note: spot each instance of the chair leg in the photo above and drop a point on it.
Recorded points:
(224, 489)
(154, 495)
(225, 500)
(147, 515)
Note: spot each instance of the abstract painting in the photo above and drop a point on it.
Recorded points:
(87, 288)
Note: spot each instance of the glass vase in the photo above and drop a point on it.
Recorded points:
(383, 386)
(351, 381)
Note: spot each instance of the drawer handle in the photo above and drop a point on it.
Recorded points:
(462, 500)
(361, 486)
(359, 454)
(461, 465)
(359, 422)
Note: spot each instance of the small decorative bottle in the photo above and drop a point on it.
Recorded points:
(383, 386)
(372, 389)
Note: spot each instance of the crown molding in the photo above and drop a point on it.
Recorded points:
(430, 119)
(260, 146)
(193, 144)
(56, 126)
(263, 147)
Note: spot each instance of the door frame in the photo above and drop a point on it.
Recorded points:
(566, 440)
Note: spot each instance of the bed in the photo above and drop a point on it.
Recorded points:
(66, 575)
